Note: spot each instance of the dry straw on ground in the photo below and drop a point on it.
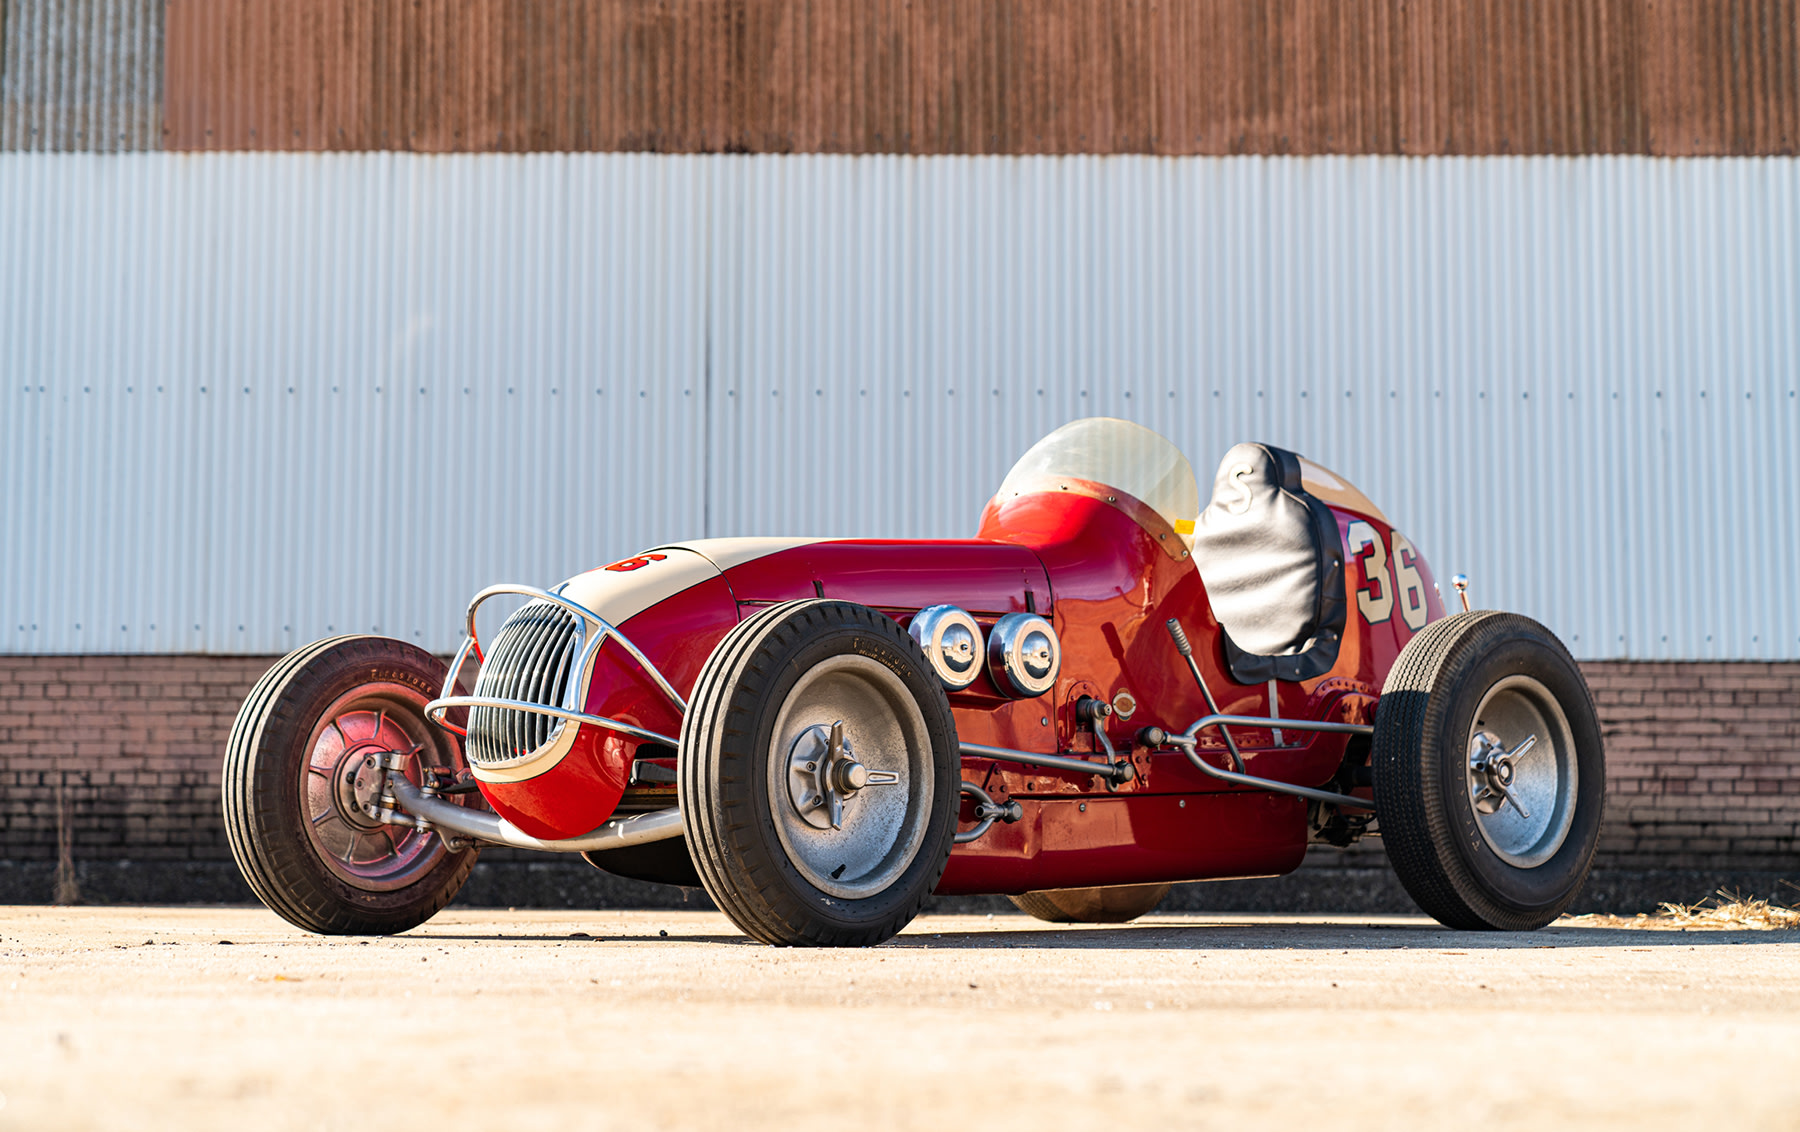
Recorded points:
(1724, 911)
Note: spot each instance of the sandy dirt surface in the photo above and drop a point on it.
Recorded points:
(116, 1018)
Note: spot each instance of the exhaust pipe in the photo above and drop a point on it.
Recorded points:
(417, 808)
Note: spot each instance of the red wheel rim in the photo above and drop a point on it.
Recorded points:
(359, 850)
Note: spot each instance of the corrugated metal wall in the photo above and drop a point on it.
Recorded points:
(254, 399)
(80, 74)
(1676, 77)
(250, 401)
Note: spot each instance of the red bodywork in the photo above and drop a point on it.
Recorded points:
(1108, 574)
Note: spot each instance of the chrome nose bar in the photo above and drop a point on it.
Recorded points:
(598, 631)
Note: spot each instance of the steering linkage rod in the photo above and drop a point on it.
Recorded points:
(1188, 741)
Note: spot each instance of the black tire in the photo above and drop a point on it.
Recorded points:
(764, 866)
(1114, 904)
(373, 692)
(1469, 857)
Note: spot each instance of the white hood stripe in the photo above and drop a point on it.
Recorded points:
(621, 594)
(623, 590)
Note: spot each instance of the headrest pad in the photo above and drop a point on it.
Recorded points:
(1251, 470)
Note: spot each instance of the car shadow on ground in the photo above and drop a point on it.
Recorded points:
(1327, 936)
(1214, 936)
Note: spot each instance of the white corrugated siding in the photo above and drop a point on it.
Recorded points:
(1574, 379)
(273, 398)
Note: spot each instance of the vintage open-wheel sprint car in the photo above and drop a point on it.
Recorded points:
(1109, 689)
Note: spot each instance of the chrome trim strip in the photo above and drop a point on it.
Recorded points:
(614, 833)
(1188, 741)
(436, 708)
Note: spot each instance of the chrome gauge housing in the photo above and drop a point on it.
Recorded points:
(1024, 655)
(952, 643)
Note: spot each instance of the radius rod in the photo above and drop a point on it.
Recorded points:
(1189, 740)
(1113, 772)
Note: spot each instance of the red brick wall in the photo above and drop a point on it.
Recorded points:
(1704, 759)
(1703, 764)
(136, 743)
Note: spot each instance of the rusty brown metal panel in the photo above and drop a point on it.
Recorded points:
(988, 76)
(275, 76)
(1728, 77)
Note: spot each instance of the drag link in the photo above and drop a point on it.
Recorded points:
(987, 812)
(1112, 772)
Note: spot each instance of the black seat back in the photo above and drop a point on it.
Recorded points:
(1272, 561)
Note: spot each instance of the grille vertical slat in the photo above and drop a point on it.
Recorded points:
(565, 656)
(546, 689)
(530, 661)
(518, 729)
(529, 680)
(548, 652)
(534, 728)
(504, 665)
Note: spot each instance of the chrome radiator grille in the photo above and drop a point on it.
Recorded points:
(530, 661)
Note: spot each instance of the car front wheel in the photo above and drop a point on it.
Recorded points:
(301, 764)
(818, 776)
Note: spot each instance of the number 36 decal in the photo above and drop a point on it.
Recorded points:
(1378, 594)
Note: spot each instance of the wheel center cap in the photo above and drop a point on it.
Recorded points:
(849, 776)
(824, 773)
(357, 783)
(1492, 770)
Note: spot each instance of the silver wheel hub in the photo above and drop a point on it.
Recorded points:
(850, 778)
(823, 774)
(359, 782)
(1522, 772)
(1490, 759)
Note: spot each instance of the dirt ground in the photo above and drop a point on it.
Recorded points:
(120, 1018)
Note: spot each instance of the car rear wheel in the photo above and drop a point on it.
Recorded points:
(818, 776)
(1117, 904)
(300, 764)
(1489, 772)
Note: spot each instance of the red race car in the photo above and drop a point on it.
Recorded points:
(1107, 690)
